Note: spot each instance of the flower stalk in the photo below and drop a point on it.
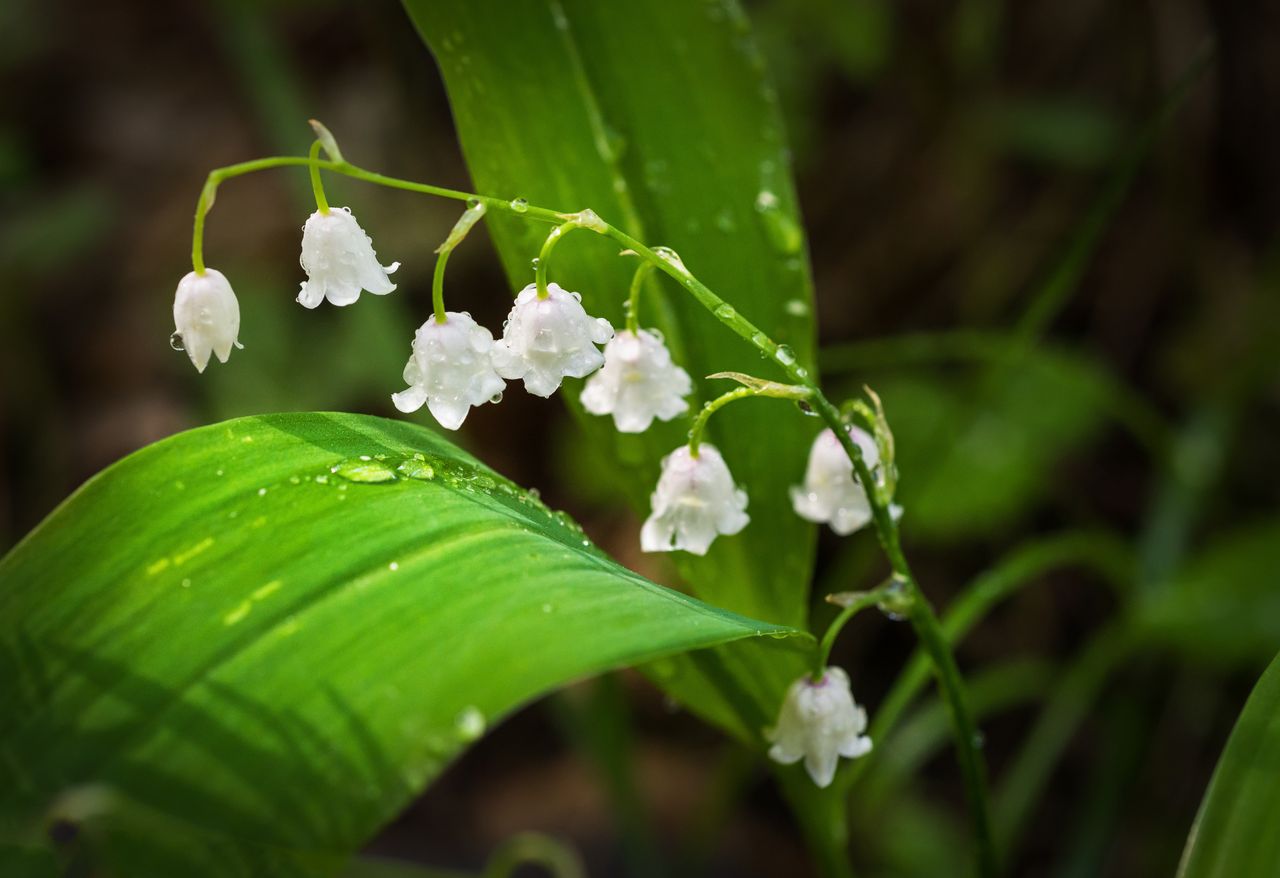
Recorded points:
(919, 611)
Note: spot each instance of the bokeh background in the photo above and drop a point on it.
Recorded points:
(1066, 299)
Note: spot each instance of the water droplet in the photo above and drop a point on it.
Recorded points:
(519, 205)
(469, 724)
(262, 492)
(535, 262)
(534, 494)
(797, 307)
(363, 469)
(725, 311)
(295, 480)
(783, 232)
(175, 342)
(496, 398)
(417, 467)
(785, 356)
(393, 566)
(186, 583)
(759, 339)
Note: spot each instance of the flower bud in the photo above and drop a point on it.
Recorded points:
(206, 317)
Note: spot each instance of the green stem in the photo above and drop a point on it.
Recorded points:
(856, 604)
(920, 613)
(437, 287)
(633, 299)
(1102, 553)
(700, 422)
(317, 187)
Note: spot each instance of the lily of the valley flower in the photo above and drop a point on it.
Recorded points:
(546, 340)
(831, 493)
(206, 316)
(638, 383)
(450, 370)
(339, 260)
(695, 501)
(819, 722)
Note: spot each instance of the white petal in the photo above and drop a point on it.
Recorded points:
(206, 315)
(695, 501)
(451, 370)
(409, 400)
(339, 260)
(547, 340)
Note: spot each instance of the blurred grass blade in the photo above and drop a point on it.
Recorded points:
(244, 648)
(1235, 832)
(1070, 268)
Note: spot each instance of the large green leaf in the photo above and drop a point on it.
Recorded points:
(656, 115)
(1234, 835)
(255, 641)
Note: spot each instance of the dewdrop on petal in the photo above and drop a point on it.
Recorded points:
(206, 317)
(819, 722)
(339, 260)
(695, 501)
(547, 340)
(831, 493)
(450, 370)
(638, 383)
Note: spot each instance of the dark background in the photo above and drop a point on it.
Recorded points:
(948, 155)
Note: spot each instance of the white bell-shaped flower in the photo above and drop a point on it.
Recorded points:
(339, 260)
(546, 340)
(831, 493)
(819, 722)
(695, 501)
(638, 383)
(206, 317)
(450, 370)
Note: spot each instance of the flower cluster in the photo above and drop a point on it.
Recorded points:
(455, 364)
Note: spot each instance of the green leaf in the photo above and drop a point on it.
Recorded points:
(1234, 834)
(254, 642)
(1224, 605)
(975, 455)
(658, 117)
